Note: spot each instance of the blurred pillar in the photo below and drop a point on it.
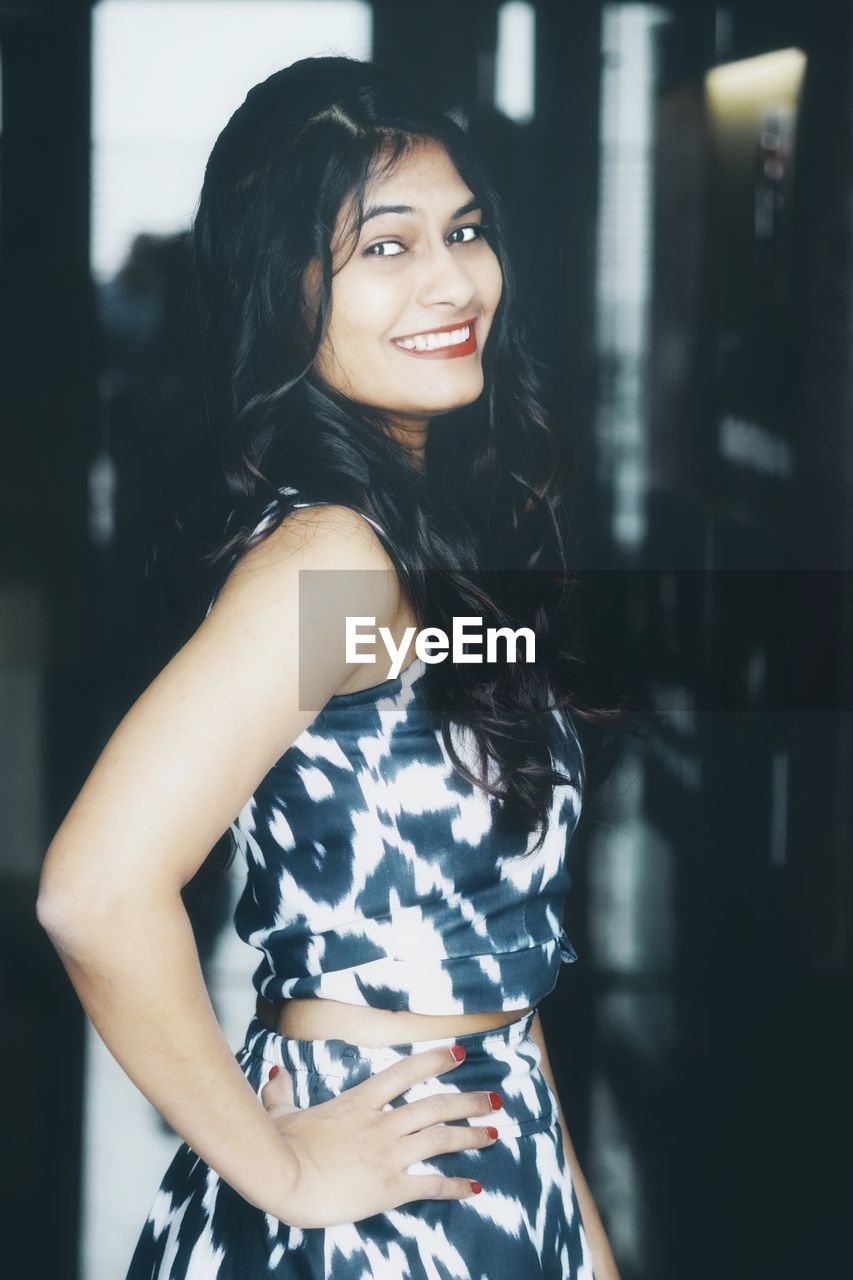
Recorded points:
(560, 216)
(46, 734)
(445, 49)
(562, 213)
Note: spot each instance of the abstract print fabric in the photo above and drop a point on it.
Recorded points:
(524, 1225)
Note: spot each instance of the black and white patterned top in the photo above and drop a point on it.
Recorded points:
(378, 875)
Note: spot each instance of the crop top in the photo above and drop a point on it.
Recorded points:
(377, 875)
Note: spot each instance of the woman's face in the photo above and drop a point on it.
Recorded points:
(422, 265)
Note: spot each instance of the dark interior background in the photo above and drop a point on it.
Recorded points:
(702, 1044)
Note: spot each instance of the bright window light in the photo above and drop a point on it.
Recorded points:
(623, 278)
(515, 70)
(735, 85)
(167, 75)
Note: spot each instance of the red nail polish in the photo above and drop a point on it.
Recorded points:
(496, 1100)
(273, 1072)
(458, 1052)
(476, 1187)
(491, 1131)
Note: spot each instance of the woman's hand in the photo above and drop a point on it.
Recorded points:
(351, 1154)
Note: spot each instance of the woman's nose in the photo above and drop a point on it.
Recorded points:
(445, 279)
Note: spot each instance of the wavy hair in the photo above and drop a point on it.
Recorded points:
(482, 529)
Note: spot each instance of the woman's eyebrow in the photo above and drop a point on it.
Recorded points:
(375, 210)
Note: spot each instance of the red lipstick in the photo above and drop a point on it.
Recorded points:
(466, 348)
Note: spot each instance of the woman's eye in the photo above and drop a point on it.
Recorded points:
(478, 227)
(382, 244)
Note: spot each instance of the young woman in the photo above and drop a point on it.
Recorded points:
(386, 457)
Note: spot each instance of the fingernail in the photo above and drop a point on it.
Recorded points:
(476, 1187)
(491, 1131)
(496, 1100)
(458, 1052)
(273, 1072)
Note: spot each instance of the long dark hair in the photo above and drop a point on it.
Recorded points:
(482, 529)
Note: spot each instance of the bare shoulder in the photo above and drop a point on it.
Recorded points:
(194, 747)
(331, 538)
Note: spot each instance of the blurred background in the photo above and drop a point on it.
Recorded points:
(680, 185)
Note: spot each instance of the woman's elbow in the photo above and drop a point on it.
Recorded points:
(74, 911)
(61, 923)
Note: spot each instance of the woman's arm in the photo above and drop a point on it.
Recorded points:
(603, 1262)
(137, 975)
(173, 776)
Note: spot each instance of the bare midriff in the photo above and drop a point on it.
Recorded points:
(321, 1019)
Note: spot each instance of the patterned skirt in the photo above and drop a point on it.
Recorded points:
(525, 1224)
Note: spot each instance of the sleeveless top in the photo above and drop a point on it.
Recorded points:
(377, 875)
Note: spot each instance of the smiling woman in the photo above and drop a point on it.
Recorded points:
(377, 415)
(411, 277)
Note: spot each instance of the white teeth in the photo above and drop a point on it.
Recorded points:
(432, 341)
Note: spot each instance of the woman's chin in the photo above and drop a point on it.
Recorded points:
(460, 402)
(457, 399)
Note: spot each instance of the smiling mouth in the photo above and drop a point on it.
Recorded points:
(441, 343)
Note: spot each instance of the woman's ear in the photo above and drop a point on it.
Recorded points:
(309, 306)
(309, 294)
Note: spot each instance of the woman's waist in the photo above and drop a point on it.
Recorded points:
(317, 1018)
(504, 1058)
